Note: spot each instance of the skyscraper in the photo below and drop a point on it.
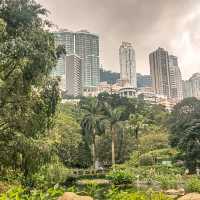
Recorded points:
(66, 39)
(87, 48)
(192, 86)
(73, 75)
(176, 83)
(127, 64)
(159, 69)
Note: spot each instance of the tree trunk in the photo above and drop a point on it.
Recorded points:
(94, 148)
(113, 146)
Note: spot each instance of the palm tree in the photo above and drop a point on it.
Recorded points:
(113, 119)
(136, 122)
(91, 122)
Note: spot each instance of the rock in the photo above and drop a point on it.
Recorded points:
(179, 192)
(190, 196)
(172, 196)
(73, 196)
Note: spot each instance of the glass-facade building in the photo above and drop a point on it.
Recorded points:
(87, 48)
(159, 69)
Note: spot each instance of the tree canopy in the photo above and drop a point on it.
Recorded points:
(28, 96)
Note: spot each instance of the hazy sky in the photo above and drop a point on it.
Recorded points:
(147, 24)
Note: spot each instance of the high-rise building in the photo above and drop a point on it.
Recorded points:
(73, 75)
(87, 48)
(187, 89)
(127, 64)
(192, 86)
(176, 83)
(66, 39)
(159, 69)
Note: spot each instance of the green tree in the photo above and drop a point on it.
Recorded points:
(67, 139)
(91, 122)
(190, 145)
(184, 130)
(112, 120)
(28, 96)
(136, 122)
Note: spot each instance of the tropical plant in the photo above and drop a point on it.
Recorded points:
(19, 193)
(168, 181)
(136, 122)
(50, 175)
(91, 122)
(112, 120)
(115, 194)
(184, 129)
(29, 97)
(193, 184)
(190, 145)
(120, 177)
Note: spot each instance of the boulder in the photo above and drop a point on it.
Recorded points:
(190, 196)
(178, 192)
(73, 196)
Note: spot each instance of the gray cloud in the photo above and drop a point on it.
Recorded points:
(172, 24)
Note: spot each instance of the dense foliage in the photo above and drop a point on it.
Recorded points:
(28, 96)
(185, 131)
(46, 144)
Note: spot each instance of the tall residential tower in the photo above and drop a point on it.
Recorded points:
(127, 64)
(87, 48)
(176, 82)
(73, 75)
(159, 69)
(81, 48)
(192, 86)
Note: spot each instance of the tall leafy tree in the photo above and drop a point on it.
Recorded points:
(28, 96)
(136, 123)
(182, 114)
(113, 119)
(190, 145)
(184, 130)
(91, 122)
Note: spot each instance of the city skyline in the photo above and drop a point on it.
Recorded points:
(145, 24)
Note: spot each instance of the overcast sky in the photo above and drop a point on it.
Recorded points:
(147, 24)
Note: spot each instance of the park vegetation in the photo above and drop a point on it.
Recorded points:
(141, 148)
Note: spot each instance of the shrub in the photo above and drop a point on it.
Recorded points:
(114, 194)
(168, 182)
(134, 159)
(18, 193)
(193, 185)
(146, 160)
(169, 170)
(51, 175)
(14, 193)
(119, 177)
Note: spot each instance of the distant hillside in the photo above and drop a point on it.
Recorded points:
(109, 76)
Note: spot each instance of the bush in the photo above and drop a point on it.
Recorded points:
(119, 177)
(193, 185)
(134, 159)
(51, 175)
(168, 182)
(146, 160)
(19, 193)
(114, 194)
